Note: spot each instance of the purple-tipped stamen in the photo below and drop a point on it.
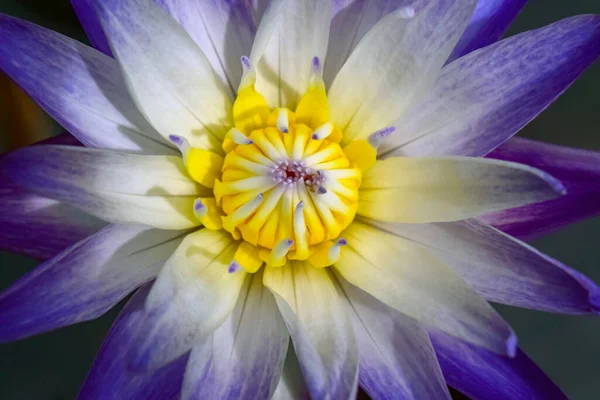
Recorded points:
(342, 242)
(376, 138)
(246, 64)
(321, 190)
(176, 140)
(234, 267)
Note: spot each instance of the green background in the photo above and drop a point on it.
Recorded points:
(54, 365)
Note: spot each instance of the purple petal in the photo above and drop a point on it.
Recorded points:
(78, 86)
(396, 355)
(109, 377)
(38, 226)
(503, 269)
(483, 375)
(490, 21)
(243, 358)
(85, 280)
(91, 25)
(578, 170)
(485, 97)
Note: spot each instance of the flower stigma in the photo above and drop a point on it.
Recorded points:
(285, 189)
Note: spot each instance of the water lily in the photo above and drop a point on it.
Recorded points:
(309, 169)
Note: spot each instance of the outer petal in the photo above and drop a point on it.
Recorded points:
(109, 377)
(483, 375)
(85, 280)
(485, 97)
(91, 25)
(223, 29)
(394, 64)
(489, 22)
(291, 385)
(117, 187)
(167, 74)
(290, 34)
(320, 329)
(503, 269)
(579, 170)
(192, 296)
(417, 190)
(408, 278)
(78, 86)
(396, 355)
(350, 22)
(244, 357)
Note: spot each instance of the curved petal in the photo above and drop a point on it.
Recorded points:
(78, 86)
(394, 65)
(167, 74)
(192, 296)
(406, 277)
(578, 170)
(418, 190)
(244, 357)
(485, 97)
(38, 226)
(117, 187)
(290, 34)
(501, 268)
(489, 22)
(484, 375)
(291, 385)
(350, 22)
(85, 280)
(223, 29)
(109, 377)
(320, 329)
(91, 25)
(396, 355)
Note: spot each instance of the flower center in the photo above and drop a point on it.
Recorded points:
(286, 191)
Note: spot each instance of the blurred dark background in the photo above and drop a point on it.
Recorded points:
(54, 365)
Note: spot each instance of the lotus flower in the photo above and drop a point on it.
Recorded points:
(311, 170)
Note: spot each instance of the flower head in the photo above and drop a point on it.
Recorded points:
(276, 188)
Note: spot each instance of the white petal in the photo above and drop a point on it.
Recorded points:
(224, 30)
(417, 190)
(394, 64)
(78, 86)
(319, 326)
(192, 296)
(116, 187)
(167, 74)
(351, 20)
(244, 356)
(501, 268)
(290, 34)
(408, 278)
(396, 355)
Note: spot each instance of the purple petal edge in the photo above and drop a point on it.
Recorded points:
(109, 377)
(484, 375)
(490, 21)
(579, 170)
(91, 25)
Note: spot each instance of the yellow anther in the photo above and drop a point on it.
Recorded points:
(239, 215)
(313, 108)
(326, 254)
(203, 166)
(247, 256)
(207, 212)
(250, 109)
(277, 256)
(361, 154)
(300, 233)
